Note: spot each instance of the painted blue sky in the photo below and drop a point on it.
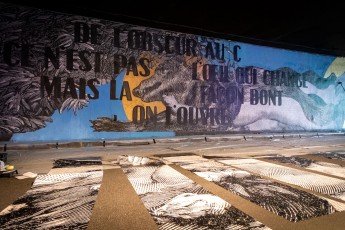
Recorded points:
(272, 58)
(68, 126)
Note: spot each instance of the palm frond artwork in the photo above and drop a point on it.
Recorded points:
(48, 61)
(75, 104)
(43, 44)
(21, 107)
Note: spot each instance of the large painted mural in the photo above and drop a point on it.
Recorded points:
(68, 77)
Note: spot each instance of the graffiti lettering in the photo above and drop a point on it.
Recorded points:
(222, 95)
(265, 97)
(169, 44)
(83, 61)
(246, 75)
(215, 52)
(220, 73)
(211, 72)
(70, 88)
(282, 78)
(125, 91)
(84, 33)
(194, 116)
(120, 61)
(12, 49)
(141, 114)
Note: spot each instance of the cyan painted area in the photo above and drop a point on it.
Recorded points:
(177, 83)
(273, 58)
(70, 126)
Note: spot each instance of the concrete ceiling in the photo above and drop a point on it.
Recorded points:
(311, 27)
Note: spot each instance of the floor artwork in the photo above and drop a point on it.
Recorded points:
(290, 203)
(319, 166)
(61, 199)
(339, 155)
(176, 202)
(315, 182)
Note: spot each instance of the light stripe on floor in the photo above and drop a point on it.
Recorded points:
(290, 203)
(176, 202)
(118, 205)
(319, 183)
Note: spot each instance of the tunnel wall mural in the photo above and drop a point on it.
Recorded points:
(69, 77)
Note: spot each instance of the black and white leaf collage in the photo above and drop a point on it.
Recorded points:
(176, 202)
(290, 203)
(62, 199)
(327, 185)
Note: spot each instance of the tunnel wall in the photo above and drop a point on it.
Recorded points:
(69, 77)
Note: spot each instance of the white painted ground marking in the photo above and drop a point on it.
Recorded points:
(312, 147)
(216, 147)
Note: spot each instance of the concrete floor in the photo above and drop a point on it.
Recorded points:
(38, 160)
(120, 213)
